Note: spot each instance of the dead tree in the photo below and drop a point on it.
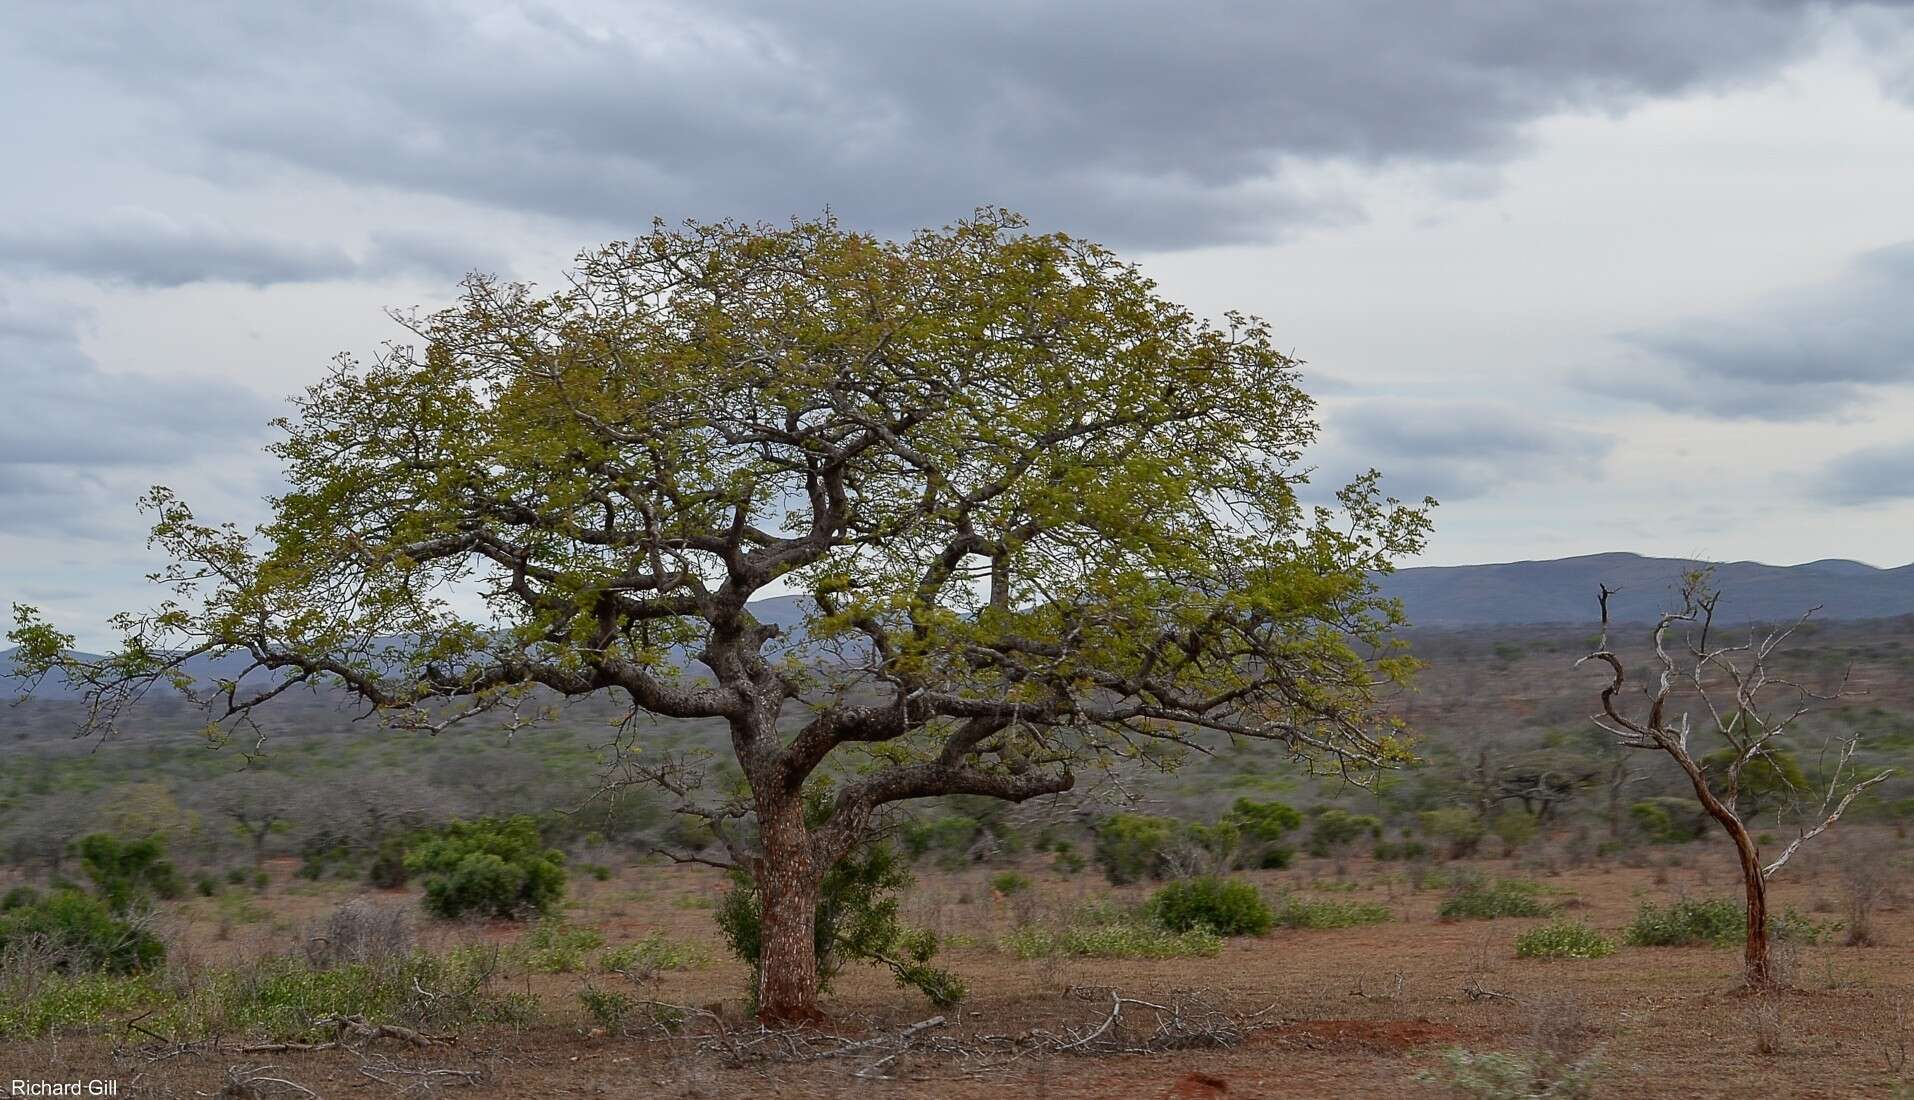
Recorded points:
(1731, 684)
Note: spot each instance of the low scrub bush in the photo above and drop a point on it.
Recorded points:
(1226, 907)
(1336, 830)
(1313, 913)
(128, 872)
(1690, 922)
(1113, 940)
(1133, 847)
(361, 933)
(1563, 939)
(1403, 850)
(1009, 883)
(554, 947)
(1499, 1075)
(76, 932)
(652, 954)
(1488, 899)
(489, 868)
(1460, 828)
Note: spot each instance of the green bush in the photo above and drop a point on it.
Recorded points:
(1457, 826)
(1668, 820)
(949, 838)
(1132, 847)
(1111, 940)
(855, 920)
(128, 872)
(1482, 899)
(1514, 828)
(205, 885)
(1689, 922)
(654, 953)
(1312, 913)
(1224, 906)
(1563, 939)
(1403, 850)
(17, 898)
(554, 947)
(387, 870)
(80, 933)
(1262, 825)
(1336, 829)
(488, 868)
(1009, 883)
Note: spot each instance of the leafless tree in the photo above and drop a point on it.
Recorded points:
(1733, 687)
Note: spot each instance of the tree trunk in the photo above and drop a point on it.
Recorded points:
(788, 890)
(1760, 972)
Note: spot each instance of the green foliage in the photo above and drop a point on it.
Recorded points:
(1262, 826)
(1769, 780)
(1297, 912)
(1009, 883)
(948, 838)
(1513, 828)
(1497, 1075)
(1336, 829)
(1487, 899)
(1403, 850)
(1457, 826)
(1227, 907)
(1718, 922)
(387, 870)
(555, 947)
(1668, 820)
(1563, 939)
(609, 1008)
(1111, 939)
(654, 953)
(489, 868)
(79, 932)
(1133, 847)
(128, 872)
(856, 921)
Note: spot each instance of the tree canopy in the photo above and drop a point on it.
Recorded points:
(1040, 518)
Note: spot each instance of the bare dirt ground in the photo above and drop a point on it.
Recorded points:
(1351, 1012)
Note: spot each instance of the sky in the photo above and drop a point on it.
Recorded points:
(1599, 276)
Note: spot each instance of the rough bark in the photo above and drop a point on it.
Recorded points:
(788, 881)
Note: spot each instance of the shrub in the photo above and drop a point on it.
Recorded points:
(488, 868)
(1310, 913)
(554, 947)
(18, 898)
(1224, 906)
(1513, 828)
(856, 920)
(1132, 847)
(609, 1008)
(205, 885)
(1111, 940)
(127, 872)
(1481, 899)
(654, 953)
(1009, 883)
(1336, 829)
(1404, 850)
(1457, 826)
(949, 838)
(387, 870)
(360, 933)
(1563, 939)
(1668, 820)
(1688, 922)
(79, 932)
(1262, 826)
(1497, 1075)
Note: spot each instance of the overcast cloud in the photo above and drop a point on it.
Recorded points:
(1555, 257)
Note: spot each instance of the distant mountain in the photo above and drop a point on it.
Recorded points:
(1564, 590)
(1512, 594)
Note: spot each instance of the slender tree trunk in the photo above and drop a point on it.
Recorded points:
(1760, 972)
(788, 888)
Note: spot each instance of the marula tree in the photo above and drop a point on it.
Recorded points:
(1040, 518)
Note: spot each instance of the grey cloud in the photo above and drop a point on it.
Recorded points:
(1871, 475)
(1139, 123)
(1456, 450)
(1812, 352)
(149, 250)
(75, 438)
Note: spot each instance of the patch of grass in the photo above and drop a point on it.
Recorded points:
(554, 947)
(1315, 913)
(1499, 1075)
(655, 952)
(1563, 939)
(1134, 940)
(1488, 899)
